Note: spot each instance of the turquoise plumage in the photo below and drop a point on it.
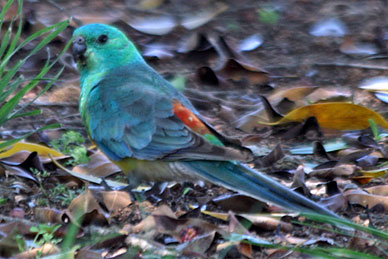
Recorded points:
(152, 131)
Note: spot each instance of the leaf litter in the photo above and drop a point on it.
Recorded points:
(227, 82)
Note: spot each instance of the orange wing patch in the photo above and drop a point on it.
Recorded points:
(190, 119)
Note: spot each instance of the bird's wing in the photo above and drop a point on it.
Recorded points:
(137, 116)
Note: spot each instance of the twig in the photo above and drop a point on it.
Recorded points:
(353, 65)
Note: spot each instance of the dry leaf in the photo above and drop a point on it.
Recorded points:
(340, 170)
(194, 21)
(50, 215)
(86, 203)
(238, 70)
(99, 166)
(115, 200)
(335, 115)
(365, 199)
(268, 222)
(154, 25)
(43, 151)
(46, 249)
(292, 94)
(378, 190)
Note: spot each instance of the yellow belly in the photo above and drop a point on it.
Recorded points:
(154, 171)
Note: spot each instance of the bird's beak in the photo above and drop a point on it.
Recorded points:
(79, 49)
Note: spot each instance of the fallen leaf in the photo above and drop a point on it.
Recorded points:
(292, 94)
(250, 43)
(90, 178)
(378, 190)
(150, 4)
(115, 200)
(194, 42)
(382, 96)
(150, 246)
(329, 95)
(267, 222)
(365, 199)
(197, 245)
(98, 166)
(43, 151)
(350, 47)
(329, 27)
(158, 50)
(154, 25)
(86, 203)
(336, 115)
(239, 203)
(379, 83)
(238, 70)
(336, 203)
(330, 146)
(375, 173)
(194, 21)
(50, 215)
(45, 250)
(362, 179)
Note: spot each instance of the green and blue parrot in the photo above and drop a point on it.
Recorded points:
(152, 131)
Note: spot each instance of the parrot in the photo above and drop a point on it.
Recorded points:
(153, 132)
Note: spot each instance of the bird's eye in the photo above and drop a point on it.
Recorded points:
(102, 38)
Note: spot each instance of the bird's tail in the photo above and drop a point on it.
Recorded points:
(240, 178)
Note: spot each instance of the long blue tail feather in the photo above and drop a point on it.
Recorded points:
(241, 178)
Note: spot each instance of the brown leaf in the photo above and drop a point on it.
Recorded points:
(116, 200)
(196, 20)
(292, 94)
(239, 203)
(365, 199)
(8, 232)
(337, 202)
(197, 245)
(50, 215)
(86, 203)
(238, 70)
(45, 250)
(340, 170)
(378, 190)
(299, 181)
(161, 25)
(99, 165)
(268, 223)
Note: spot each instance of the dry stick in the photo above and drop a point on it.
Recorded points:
(42, 104)
(353, 65)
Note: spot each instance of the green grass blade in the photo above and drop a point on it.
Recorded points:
(6, 39)
(3, 12)
(10, 142)
(9, 75)
(59, 27)
(25, 114)
(375, 129)
(12, 88)
(52, 81)
(16, 38)
(337, 221)
(11, 104)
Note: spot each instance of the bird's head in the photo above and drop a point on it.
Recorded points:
(99, 47)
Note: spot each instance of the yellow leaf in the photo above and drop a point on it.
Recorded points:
(217, 215)
(334, 115)
(20, 146)
(375, 173)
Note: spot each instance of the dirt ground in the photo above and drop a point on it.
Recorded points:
(229, 96)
